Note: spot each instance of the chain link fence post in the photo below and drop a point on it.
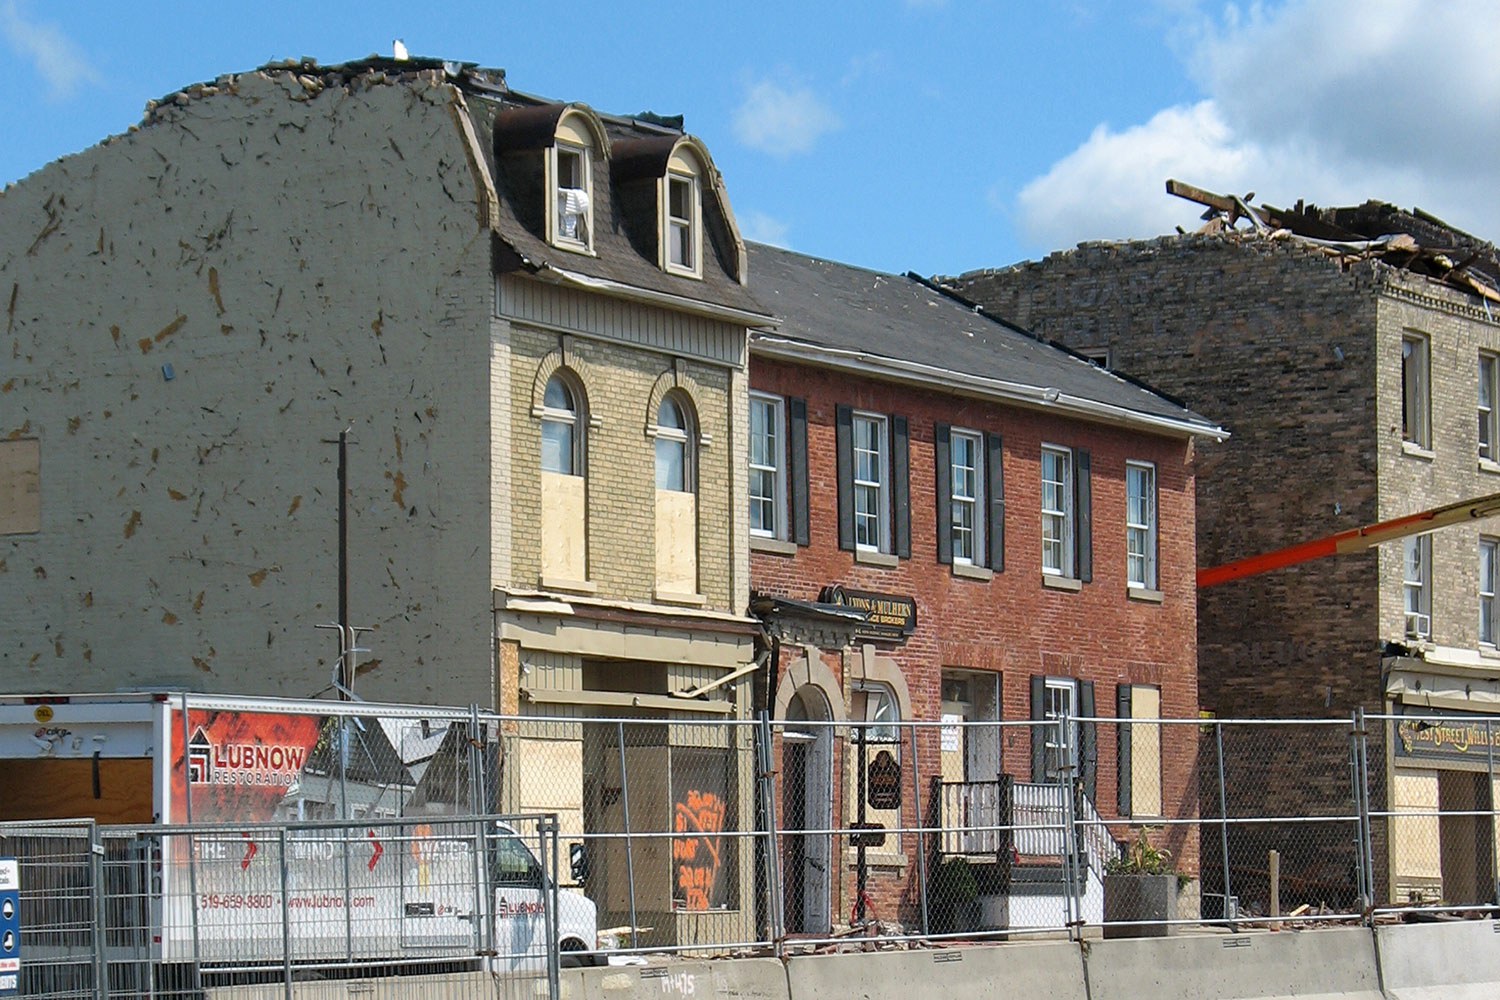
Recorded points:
(96, 907)
(766, 781)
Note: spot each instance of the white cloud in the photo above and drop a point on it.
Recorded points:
(759, 227)
(1320, 101)
(61, 63)
(782, 120)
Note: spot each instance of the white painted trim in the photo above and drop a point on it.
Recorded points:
(1000, 390)
(680, 303)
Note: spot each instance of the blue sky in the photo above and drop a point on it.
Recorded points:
(929, 135)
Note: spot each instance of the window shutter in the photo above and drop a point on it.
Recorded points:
(1122, 753)
(1038, 731)
(942, 435)
(1088, 739)
(843, 432)
(900, 488)
(797, 467)
(1083, 524)
(995, 527)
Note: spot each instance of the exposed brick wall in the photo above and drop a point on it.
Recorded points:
(1300, 358)
(621, 466)
(1279, 347)
(1011, 625)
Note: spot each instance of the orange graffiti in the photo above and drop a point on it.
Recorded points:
(698, 858)
(421, 853)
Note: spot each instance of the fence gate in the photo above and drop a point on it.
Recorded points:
(59, 907)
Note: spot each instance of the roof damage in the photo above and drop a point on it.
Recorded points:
(1413, 241)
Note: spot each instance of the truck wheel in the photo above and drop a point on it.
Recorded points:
(574, 955)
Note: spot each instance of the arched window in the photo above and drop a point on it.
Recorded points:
(562, 429)
(674, 457)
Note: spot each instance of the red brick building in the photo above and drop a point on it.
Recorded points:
(1020, 520)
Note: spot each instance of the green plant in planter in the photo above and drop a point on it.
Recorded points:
(1141, 858)
(953, 881)
(953, 893)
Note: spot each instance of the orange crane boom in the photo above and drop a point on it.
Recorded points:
(1353, 540)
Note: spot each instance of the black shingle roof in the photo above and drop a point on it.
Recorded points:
(837, 307)
(624, 208)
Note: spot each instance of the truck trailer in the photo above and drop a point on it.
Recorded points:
(263, 836)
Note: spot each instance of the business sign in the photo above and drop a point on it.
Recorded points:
(10, 927)
(890, 617)
(1451, 736)
(883, 781)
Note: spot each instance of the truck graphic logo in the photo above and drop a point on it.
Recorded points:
(200, 759)
(242, 763)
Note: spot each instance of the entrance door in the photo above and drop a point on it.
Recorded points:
(807, 752)
(1466, 842)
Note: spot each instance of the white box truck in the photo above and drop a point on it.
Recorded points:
(324, 832)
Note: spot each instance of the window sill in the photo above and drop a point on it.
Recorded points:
(1062, 582)
(775, 546)
(1485, 465)
(576, 586)
(578, 248)
(885, 560)
(682, 272)
(677, 597)
(1144, 595)
(1488, 651)
(971, 572)
(1417, 451)
(877, 857)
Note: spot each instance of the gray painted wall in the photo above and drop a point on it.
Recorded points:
(303, 263)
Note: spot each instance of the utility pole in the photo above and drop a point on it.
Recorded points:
(346, 631)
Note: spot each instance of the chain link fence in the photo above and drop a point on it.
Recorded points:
(734, 837)
(468, 903)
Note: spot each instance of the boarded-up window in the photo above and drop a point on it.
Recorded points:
(20, 486)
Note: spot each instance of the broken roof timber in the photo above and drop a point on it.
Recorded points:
(1414, 241)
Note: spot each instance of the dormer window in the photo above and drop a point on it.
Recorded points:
(682, 215)
(574, 207)
(682, 223)
(571, 185)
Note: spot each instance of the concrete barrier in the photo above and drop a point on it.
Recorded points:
(742, 979)
(1451, 961)
(1051, 969)
(1335, 962)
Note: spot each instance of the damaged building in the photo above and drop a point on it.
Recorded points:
(1354, 355)
(531, 320)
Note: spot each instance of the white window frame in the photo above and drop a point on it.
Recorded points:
(690, 225)
(1058, 556)
(1416, 585)
(1059, 700)
(966, 497)
(1096, 356)
(1140, 525)
(1489, 583)
(875, 702)
(869, 492)
(559, 192)
(1488, 405)
(773, 445)
(1416, 390)
(678, 439)
(573, 419)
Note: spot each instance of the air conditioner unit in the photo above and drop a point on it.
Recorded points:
(1418, 625)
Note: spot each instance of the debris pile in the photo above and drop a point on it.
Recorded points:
(313, 79)
(1411, 241)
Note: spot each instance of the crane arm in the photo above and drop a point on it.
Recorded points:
(1353, 540)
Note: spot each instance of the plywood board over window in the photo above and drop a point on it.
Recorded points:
(20, 486)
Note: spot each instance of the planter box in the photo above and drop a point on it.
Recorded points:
(1139, 898)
